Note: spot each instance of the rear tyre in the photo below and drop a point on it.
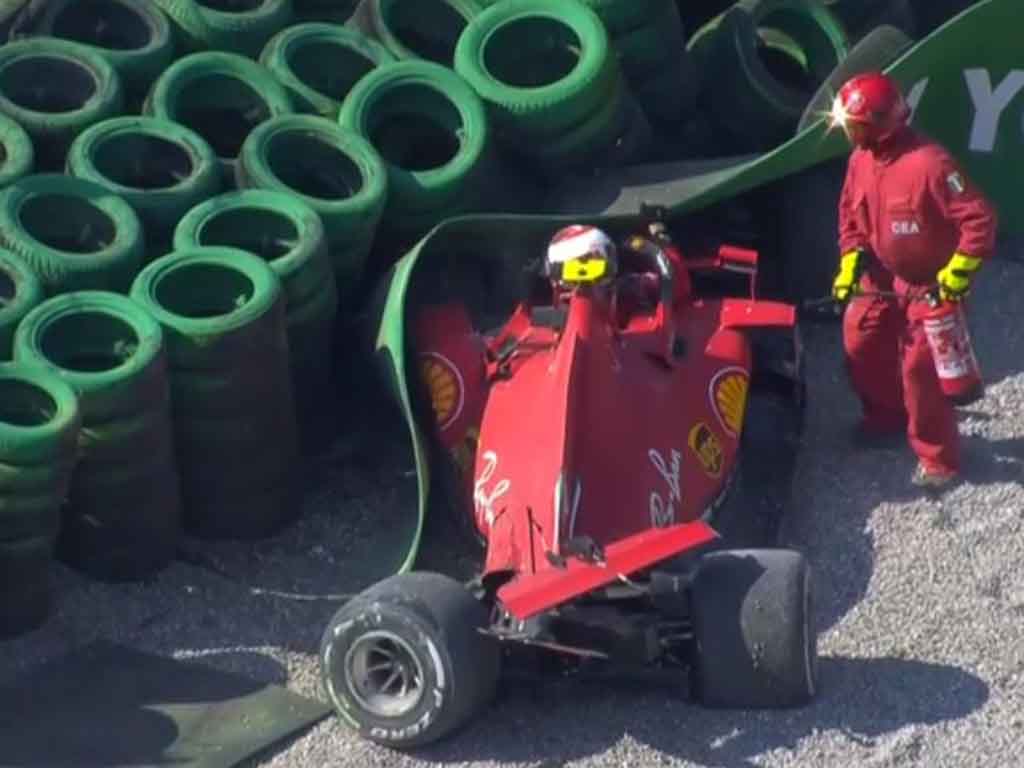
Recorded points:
(404, 662)
(755, 646)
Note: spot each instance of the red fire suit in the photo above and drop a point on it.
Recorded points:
(910, 207)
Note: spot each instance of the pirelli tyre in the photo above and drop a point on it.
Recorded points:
(432, 133)
(55, 89)
(162, 169)
(133, 35)
(426, 29)
(123, 519)
(26, 596)
(287, 234)
(20, 291)
(333, 170)
(760, 106)
(18, 156)
(221, 96)
(223, 314)
(541, 69)
(73, 233)
(319, 63)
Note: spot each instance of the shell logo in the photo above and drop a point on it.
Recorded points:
(444, 382)
(728, 394)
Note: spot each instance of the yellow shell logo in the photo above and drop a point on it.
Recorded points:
(729, 398)
(445, 386)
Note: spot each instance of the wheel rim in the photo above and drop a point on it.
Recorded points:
(385, 676)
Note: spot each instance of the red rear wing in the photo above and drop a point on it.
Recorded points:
(535, 593)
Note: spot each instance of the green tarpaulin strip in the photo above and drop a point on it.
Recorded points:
(111, 706)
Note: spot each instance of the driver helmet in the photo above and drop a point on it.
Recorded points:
(581, 255)
(870, 108)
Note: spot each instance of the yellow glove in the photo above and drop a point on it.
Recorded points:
(955, 278)
(846, 283)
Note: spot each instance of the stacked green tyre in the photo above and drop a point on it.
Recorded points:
(20, 291)
(410, 29)
(552, 85)
(40, 421)
(432, 132)
(334, 171)
(73, 233)
(233, 26)
(123, 518)
(757, 97)
(220, 96)
(162, 169)
(328, 11)
(17, 157)
(55, 89)
(289, 235)
(134, 36)
(223, 313)
(319, 64)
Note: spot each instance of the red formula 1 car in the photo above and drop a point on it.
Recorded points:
(622, 437)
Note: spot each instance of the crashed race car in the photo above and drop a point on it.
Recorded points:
(620, 437)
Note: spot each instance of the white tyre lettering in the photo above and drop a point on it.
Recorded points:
(989, 105)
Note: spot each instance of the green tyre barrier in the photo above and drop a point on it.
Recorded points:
(760, 106)
(860, 17)
(55, 89)
(331, 169)
(425, 29)
(540, 68)
(223, 313)
(432, 132)
(319, 63)
(221, 96)
(324, 11)
(289, 235)
(18, 156)
(133, 35)
(162, 169)
(26, 597)
(123, 518)
(20, 291)
(73, 233)
(244, 27)
(40, 421)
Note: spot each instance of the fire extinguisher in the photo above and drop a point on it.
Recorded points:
(949, 338)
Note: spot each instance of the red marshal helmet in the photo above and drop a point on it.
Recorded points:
(870, 108)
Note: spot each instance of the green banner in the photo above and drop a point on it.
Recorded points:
(966, 93)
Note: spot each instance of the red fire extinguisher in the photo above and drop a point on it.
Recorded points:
(945, 326)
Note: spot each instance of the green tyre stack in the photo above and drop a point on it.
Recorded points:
(161, 169)
(20, 291)
(334, 171)
(553, 86)
(432, 132)
(233, 26)
(769, 57)
(319, 63)
(18, 156)
(326, 11)
(133, 35)
(40, 421)
(73, 233)
(223, 313)
(220, 96)
(417, 29)
(123, 518)
(289, 235)
(55, 89)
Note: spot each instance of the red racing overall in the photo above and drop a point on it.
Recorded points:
(909, 205)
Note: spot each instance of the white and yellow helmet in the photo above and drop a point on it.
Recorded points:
(581, 255)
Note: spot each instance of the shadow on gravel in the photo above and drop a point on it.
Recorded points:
(863, 699)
